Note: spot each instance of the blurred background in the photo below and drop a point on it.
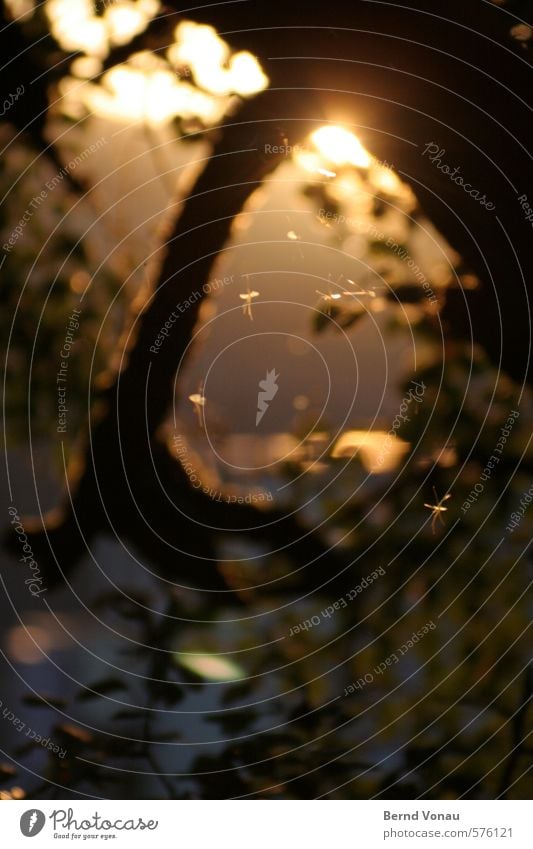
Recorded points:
(335, 278)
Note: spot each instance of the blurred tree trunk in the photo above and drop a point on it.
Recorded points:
(401, 78)
(126, 482)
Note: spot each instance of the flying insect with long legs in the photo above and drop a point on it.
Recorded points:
(248, 297)
(198, 402)
(437, 509)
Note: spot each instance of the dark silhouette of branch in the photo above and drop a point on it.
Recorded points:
(366, 71)
(117, 485)
(26, 68)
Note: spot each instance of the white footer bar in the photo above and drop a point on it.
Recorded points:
(267, 824)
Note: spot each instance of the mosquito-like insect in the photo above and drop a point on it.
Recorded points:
(361, 292)
(328, 298)
(437, 509)
(370, 292)
(331, 296)
(248, 297)
(198, 402)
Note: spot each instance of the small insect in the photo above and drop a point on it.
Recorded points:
(198, 402)
(371, 292)
(328, 298)
(332, 296)
(437, 509)
(361, 292)
(248, 297)
(292, 236)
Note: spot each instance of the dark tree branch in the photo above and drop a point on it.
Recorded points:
(118, 483)
(373, 79)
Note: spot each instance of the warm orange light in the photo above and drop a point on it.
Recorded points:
(149, 88)
(341, 147)
(378, 453)
(154, 96)
(200, 48)
(76, 26)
